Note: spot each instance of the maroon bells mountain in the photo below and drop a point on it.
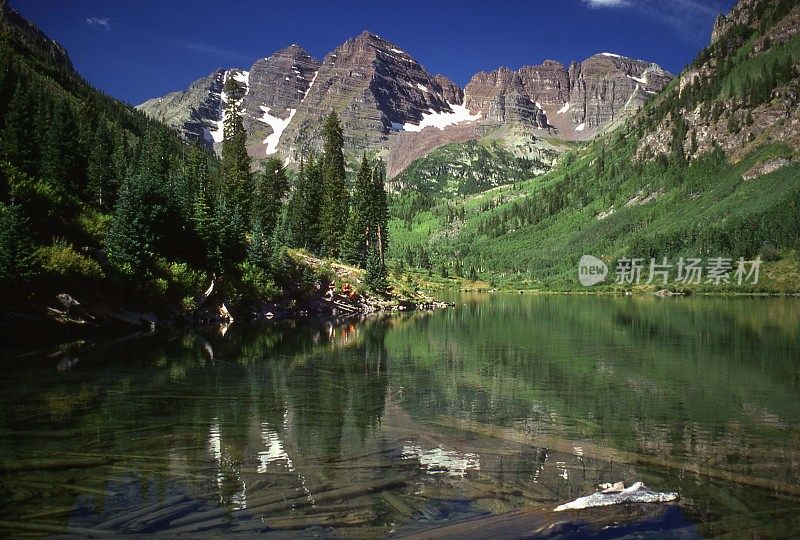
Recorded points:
(389, 102)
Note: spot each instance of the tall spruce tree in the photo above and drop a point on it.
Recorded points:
(375, 277)
(355, 241)
(62, 163)
(379, 210)
(18, 138)
(271, 185)
(334, 210)
(141, 209)
(235, 160)
(293, 235)
(270, 188)
(303, 213)
(100, 171)
(15, 246)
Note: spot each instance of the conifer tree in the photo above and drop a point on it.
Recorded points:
(100, 172)
(293, 235)
(154, 156)
(15, 247)
(140, 209)
(375, 276)
(355, 241)
(120, 158)
(271, 185)
(18, 136)
(235, 160)
(228, 225)
(258, 251)
(303, 213)
(334, 210)
(379, 211)
(62, 164)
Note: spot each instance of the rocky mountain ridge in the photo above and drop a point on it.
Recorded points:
(388, 102)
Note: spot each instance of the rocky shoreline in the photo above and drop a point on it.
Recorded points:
(66, 314)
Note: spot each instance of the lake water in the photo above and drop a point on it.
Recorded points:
(397, 424)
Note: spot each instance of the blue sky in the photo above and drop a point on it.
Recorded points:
(138, 49)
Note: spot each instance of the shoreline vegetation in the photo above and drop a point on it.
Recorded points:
(333, 291)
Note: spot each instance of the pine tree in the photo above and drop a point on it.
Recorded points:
(375, 276)
(15, 247)
(258, 251)
(100, 171)
(303, 212)
(229, 224)
(334, 210)
(154, 156)
(379, 211)
(120, 160)
(140, 209)
(62, 164)
(678, 135)
(354, 244)
(294, 234)
(235, 160)
(18, 136)
(271, 185)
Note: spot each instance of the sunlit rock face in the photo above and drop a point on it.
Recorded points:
(575, 101)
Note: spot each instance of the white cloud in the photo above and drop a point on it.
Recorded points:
(98, 21)
(606, 3)
(690, 18)
(211, 50)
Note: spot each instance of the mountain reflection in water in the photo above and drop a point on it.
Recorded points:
(404, 422)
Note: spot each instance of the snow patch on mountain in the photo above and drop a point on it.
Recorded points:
(309, 86)
(563, 109)
(277, 125)
(243, 77)
(440, 120)
(581, 127)
(217, 133)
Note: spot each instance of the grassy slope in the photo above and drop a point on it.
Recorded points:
(709, 211)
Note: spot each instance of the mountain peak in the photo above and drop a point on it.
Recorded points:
(293, 51)
(367, 35)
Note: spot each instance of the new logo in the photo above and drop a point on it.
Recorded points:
(591, 271)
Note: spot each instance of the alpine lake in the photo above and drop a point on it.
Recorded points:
(472, 421)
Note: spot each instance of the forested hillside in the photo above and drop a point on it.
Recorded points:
(99, 201)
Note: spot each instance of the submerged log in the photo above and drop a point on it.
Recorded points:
(40, 484)
(333, 495)
(47, 528)
(218, 513)
(219, 518)
(53, 464)
(149, 509)
(160, 517)
(52, 512)
(398, 504)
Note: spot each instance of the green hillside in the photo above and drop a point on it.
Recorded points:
(619, 197)
(470, 167)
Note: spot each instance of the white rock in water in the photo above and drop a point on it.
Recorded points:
(637, 493)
